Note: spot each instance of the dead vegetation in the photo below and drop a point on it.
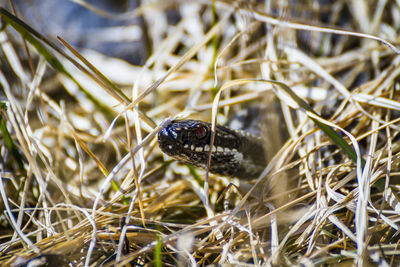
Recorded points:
(84, 182)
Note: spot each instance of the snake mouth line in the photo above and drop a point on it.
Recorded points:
(234, 153)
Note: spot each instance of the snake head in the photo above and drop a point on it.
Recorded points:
(180, 139)
(233, 153)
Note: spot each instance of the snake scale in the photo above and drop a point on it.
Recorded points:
(235, 153)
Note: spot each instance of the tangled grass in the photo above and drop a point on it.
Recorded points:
(83, 181)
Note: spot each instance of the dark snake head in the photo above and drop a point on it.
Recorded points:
(234, 153)
(184, 139)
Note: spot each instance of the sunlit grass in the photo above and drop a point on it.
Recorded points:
(85, 182)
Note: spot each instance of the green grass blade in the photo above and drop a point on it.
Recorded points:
(8, 140)
(157, 252)
(337, 139)
(33, 37)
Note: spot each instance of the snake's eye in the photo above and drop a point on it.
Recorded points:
(201, 132)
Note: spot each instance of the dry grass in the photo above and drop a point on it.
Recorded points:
(82, 172)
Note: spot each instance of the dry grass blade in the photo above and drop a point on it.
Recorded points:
(83, 181)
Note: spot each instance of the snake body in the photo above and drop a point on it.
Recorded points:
(234, 153)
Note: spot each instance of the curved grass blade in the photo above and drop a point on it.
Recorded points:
(100, 78)
(34, 38)
(8, 139)
(338, 140)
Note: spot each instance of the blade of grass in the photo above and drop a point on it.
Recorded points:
(338, 140)
(26, 31)
(261, 16)
(30, 35)
(8, 139)
(157, 252)
(110, 87)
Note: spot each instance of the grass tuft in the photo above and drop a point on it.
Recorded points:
(84, 183)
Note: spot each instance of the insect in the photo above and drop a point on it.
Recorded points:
(235, 153)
